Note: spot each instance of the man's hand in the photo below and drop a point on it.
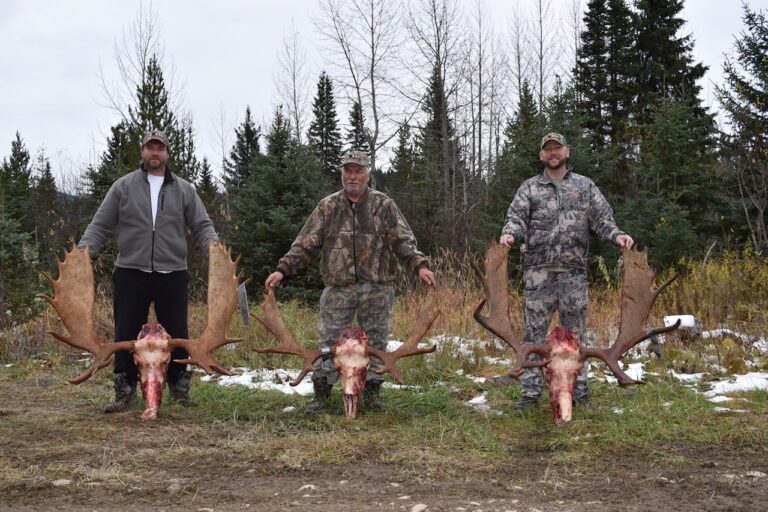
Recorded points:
(625, 241)
(273, 280)
(506, 241)
(427, 276)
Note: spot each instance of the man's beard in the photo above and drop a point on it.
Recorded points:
(560, 163)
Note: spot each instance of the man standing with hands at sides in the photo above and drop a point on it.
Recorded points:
(151, 208)
(361, 234)
(553, 213)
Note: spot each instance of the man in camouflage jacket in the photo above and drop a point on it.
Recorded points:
(361, 235)
(553, 213)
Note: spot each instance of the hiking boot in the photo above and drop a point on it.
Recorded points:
(525, 403)
(583, 402)
(372, 394)
(125, 393)
(179, 390)
(322, 393)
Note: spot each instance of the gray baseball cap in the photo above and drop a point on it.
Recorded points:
(155, 135)
(355, 157)
(558, 137)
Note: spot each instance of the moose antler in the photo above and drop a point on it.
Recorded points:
(637, 297)
(495, 283)
(273, 320)
(74, 302)
(223, 280)
(427, 316)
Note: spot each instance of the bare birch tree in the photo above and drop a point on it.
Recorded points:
(363, 38)
(293, 81)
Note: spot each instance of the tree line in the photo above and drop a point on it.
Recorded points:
(452, 131)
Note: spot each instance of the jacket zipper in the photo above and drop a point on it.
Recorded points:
(354, 244)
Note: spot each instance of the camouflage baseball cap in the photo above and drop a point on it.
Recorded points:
(155, 135)
(355, 157)
(557, 137)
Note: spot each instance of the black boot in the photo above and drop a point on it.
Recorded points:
(179, 390)
(322, 393)
(584, 402)
(125, 393)
(525, 403)
(372, 394)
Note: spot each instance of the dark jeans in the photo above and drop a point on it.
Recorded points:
(134, 292)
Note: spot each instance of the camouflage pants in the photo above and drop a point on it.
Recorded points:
(373, 304)
(546, 292)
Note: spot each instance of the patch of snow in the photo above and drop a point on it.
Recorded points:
(687, 377)
(617, 410)
(748, 382)
(265, 380)
(685, 320)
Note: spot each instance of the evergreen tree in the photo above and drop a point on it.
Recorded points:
(357, 136)
(666, 66)
(206, 187)
(271, 210)
(15, 287)
(237, 168)
(16, 183)
(123, 154)
(153, 111)
(744, 97)
(49, 235)
(324, 137)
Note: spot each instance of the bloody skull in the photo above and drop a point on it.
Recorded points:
(351, 362)
(561, 372)
(152, 354)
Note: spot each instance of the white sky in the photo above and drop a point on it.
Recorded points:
(224, 53)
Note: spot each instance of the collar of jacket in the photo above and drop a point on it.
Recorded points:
(544, 177)
(168, 175)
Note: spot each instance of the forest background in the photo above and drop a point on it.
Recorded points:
(452, 119)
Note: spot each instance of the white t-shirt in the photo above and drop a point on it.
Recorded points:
(155, 182)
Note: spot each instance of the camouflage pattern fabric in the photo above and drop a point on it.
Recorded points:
(547, 291)
(372, 303)
(360, 242)
(555, 222)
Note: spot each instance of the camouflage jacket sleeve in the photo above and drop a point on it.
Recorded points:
(403, 242)
(601, 217)
(518, 214)
(307, 244)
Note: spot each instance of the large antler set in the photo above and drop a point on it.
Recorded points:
(74, 303)
(637, 297)
(352, 353)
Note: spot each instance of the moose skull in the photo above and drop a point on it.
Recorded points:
(151, 353)
(352, 363)
(561, 372)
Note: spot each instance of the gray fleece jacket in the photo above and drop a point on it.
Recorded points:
(127, 209)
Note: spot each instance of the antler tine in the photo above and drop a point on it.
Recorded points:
(427, 316)
(222, 300)
(74, 303)
(495, 282)
(287, 344)
(637, 298)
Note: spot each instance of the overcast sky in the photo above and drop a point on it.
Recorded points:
(224, 53)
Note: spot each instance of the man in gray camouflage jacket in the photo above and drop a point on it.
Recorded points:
(362, 235)
(553, 213)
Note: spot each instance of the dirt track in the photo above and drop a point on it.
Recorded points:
(117, 462)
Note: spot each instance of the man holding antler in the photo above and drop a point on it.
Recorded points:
(553, 213)
(151, 209)
(361, 234)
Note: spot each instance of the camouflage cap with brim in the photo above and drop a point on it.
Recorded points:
(355, 157)
(155, 135)
(557, 137)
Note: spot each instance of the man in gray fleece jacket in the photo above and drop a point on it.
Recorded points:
(150, 209)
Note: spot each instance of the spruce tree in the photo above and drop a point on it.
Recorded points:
(16, 183)
(48, 232)
(400, 178)
(323, 136)
(270, 211)
(357, 136)
(744, 97)
(123, 155)
(15, 287)
(237, 168)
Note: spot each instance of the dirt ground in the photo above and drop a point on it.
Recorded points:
(66, 455)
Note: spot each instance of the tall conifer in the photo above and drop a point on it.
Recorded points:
(324, 136)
